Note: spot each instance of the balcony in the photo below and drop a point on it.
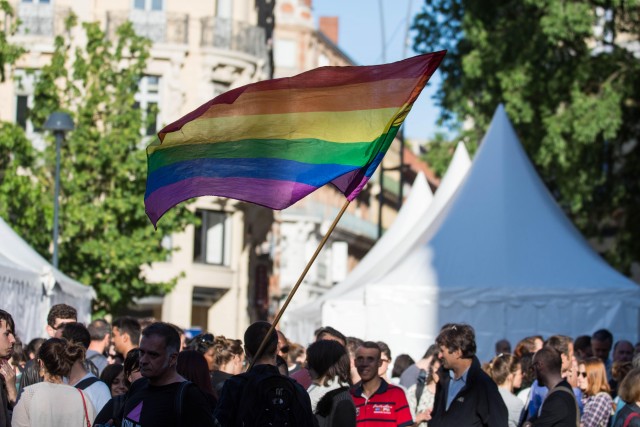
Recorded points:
(159, 27)
(41, 20)
(232, 35)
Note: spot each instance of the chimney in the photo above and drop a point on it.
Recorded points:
(307, 3)
(329, 27)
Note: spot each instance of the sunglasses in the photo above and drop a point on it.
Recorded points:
(582, 374)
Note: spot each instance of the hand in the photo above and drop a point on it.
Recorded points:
(423, 416)
(9, 374)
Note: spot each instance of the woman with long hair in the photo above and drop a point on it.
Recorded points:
(228, 359)
(506, 371)
(51, 402)
(330, 369)
(113, 377)
(421, 396)
(192, 365)
(592, 380)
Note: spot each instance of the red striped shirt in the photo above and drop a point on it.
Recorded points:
(386, 407)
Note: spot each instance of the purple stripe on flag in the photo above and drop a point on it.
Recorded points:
(272, 194)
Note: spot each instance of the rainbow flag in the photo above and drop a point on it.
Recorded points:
(276, 141)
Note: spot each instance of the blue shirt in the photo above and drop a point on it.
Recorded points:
(538, 393)
(455, 385)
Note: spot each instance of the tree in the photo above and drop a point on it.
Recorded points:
(105, 237)
(569, 78)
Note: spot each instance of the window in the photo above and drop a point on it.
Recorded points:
(147, 100)
(219, 88)
(154, 5)
(25, 82)
(212, 239)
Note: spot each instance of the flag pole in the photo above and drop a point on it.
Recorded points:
(263, 344)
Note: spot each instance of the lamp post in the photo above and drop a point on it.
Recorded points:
(60, 123)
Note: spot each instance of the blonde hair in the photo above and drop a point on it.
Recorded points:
(629, 389)
(596, 376)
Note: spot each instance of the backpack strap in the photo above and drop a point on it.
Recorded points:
(87, 382)
(567, 390)
(627, 421)
(179, 402)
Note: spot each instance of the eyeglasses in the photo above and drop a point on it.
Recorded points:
(582, 374)
(284, 349)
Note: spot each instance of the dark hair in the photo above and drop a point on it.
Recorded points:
(581, 343)
(371, 344)
(352, 345)
(98, 329)
(503, 346)
(430, 371)
(76, 332)
(282, 364)
(4, 315)
(602, 335)
(61, 311)
(130, 326)
(550, 358)
(110, 373)
(131, 363)
(34, 346)
(384, 349)
(621, 342)
(329, 359)
(527, 372)
(19, 355)
(193, 366)
(201, 342)
(431, 351)
(560, 343)
(501, 366)
(403, 361)
(224, 349)
(58, 355)
(166, 331)
(458, 337)
(328, 330)
(254, 335)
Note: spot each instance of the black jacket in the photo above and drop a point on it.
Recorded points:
(478, 403)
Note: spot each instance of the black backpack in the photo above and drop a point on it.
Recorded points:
(268, 400)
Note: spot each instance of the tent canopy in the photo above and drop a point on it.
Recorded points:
(501, 256)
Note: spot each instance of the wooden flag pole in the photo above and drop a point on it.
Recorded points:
(263, 344)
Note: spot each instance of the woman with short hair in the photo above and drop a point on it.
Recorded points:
(629, 392)
(592, 380)
(506, 371)
(51, 402)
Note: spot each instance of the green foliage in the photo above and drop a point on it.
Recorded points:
(9, 52)
(106, 240)
(570, 83)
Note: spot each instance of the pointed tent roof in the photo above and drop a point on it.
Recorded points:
(419, 208)
(503, 257)
(504, 230)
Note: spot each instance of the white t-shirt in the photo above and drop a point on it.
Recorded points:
(98, 392)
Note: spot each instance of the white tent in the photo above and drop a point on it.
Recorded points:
(419, 208)
(503, 257)
(29, 286)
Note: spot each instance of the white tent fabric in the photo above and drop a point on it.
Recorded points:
(29, 285)
(415, 214)
(502, 257)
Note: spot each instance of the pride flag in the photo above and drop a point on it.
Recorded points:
(276, 141)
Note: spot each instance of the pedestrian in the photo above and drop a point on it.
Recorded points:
(629, 392)
(559, 407)
(262, 395)
(421, 395)
(51, 402)
(8, 393)
(506, 371)
(328, 363)
(377, 402)
(465, 395)
(165, 398)
(597, 403)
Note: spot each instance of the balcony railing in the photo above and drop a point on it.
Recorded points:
(158, 27)
(41, 19)
(232, 35)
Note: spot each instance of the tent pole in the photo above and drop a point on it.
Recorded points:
(263, 344)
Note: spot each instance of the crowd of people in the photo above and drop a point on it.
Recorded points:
(137, 373)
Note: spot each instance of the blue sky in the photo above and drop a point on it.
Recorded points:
(360, 37)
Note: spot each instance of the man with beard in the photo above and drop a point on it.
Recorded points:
(8, 394)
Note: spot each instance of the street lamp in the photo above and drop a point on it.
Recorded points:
(60, 123)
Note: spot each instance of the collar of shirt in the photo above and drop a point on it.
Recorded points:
(359, 390)
(463, 377)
